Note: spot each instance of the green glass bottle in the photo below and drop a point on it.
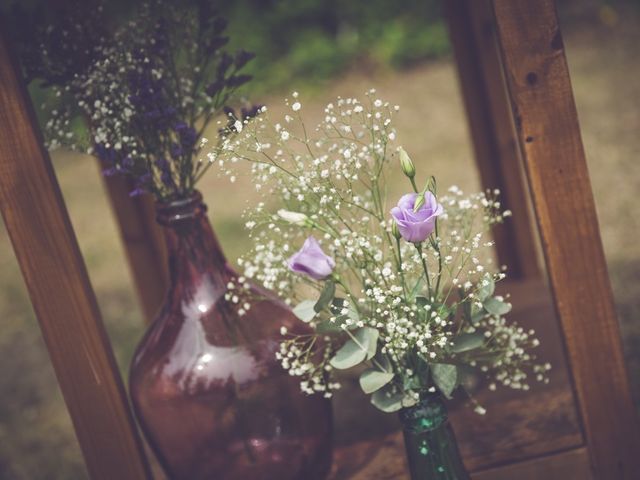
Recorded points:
(432, 451)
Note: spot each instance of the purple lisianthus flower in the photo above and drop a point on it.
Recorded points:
(415, 226)
(311, 260)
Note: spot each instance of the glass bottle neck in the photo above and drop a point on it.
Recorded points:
(428, 414)
(193, 249)
(430, 443)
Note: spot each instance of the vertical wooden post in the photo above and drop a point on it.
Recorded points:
(549, 137)
(143, 243)
(57, 280)
(472, 32)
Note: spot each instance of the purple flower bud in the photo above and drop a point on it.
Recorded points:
(110, 172)
(242, 58)
(416, 226)
(175, 151)
(128, 162)
(312, 261)
(136, 192)
(238, 80)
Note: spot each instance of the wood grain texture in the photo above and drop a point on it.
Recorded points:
(549, 136)
(143, 242)
(384, 459)
(568, 465)
(472, 31)
(517, 427)
(57, 280)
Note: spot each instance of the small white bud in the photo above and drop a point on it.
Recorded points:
(295, 218)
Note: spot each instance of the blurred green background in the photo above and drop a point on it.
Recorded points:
(324, 49)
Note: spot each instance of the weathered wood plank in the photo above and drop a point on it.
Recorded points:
(143, 243)
(518, 425)
(572, 464)
(384, 459)
(549, 137)
(472, 32)
(57, 280)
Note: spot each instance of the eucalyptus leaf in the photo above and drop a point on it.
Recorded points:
(466, 311)
(371, 335)
(408, 401)
(496, 307)
(387, 399)
(421, 301)
(353, 313)
(326, 296)
(445, 377)
(328, 327)
(467, 341)
(412, 382)
(373, 379)
(354, 352)
(416, 288)
(305, 310)
(485, 291)
(477, 315)
(382, 360)
(339, 304)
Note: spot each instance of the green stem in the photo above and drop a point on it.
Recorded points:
(413, 184)
(436, 246)
(424, 267)
(400, 271)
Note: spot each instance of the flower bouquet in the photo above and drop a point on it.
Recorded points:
(405, 294)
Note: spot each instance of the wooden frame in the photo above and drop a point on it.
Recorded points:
(143, 242)
(473, 37)
(517, 91)
(545, 115)
(48, 253)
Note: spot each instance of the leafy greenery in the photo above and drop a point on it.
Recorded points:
(314, 40)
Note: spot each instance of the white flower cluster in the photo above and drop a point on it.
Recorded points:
(299, 355)
(412, 311)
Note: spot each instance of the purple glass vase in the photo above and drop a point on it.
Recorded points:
(208, 392)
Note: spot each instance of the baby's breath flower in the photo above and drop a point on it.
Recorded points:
(354, 277)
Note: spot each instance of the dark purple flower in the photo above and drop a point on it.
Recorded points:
(251, 112)
(187, 135)
(167, 179)
(137, 191)
(225, 62)
(238, 80)
(242, 58)
(416, 226)
(128, 162)
(312, 261)
(110, 172)
(175, 150)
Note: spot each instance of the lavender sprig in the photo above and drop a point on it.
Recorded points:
(144, 92)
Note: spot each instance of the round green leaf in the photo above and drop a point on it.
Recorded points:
(305, 311)
(387, 400)
(496, 307)
(445, 377)
(467, 341)
(486, 291)
(373, 379)
(357, 350)
(326, 296)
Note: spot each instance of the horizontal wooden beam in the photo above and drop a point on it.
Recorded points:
(571, 464)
